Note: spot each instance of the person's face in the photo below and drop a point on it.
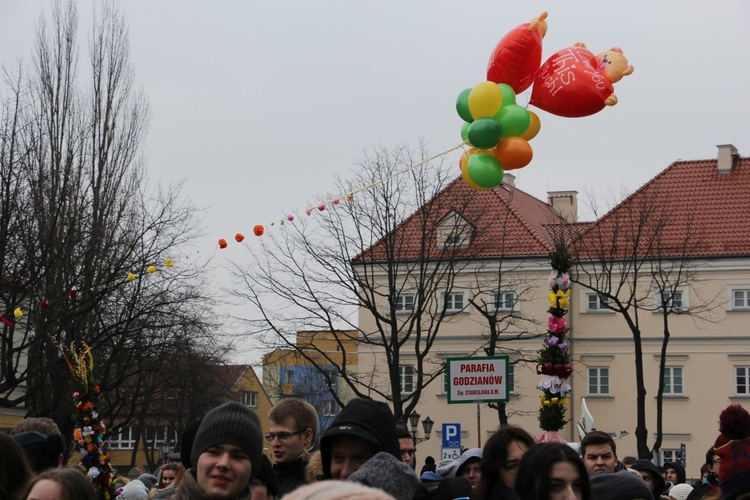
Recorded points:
(348, 454)
(599, 457)
(223, 471)
(45, 490)
(289, 446)
(472, 472)
(259, 491)
(714, 467)
(516, 451)
(407, 450)
(565, 482)
(647, 478)
(671, 475)
(168, 476)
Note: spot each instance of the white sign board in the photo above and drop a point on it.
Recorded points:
(450, 453)
(477, 379)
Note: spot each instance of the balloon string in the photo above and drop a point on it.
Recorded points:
(384, 179)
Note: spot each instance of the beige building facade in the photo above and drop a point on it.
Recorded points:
(703, 207)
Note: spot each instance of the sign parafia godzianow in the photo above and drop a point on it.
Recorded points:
(477, 379)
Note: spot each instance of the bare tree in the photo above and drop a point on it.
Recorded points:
(364, 254)
(80, 220)
(636, 259)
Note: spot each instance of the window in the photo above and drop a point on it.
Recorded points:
(740, 299)
(250, 398)
(404, 303)
(598, 381)
(674, 301)
(595, 302)
(328, 408)
(742, 380)
(670, 456)
(124, 439)
(289, 377)
(454, 302)
(453, 240)
(504, 301)
(673, 380)
(406, 378)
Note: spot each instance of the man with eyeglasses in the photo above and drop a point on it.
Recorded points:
(293, 425)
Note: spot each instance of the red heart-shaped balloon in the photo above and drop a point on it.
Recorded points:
(569, 84)
(516, 58)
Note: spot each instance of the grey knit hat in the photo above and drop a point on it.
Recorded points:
(230, 423)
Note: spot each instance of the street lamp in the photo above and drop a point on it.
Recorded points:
(427, 424)
(165, 448)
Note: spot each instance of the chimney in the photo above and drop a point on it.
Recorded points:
(564, 203)
(727, 157)
(509, 179)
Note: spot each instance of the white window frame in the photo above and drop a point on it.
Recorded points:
(731, 299)
(601, 307)
(124, 439)
(598, 370)
(401, 301)
(742, 380)
(406, 378)
(670, 387)
(494, 301)
(455, 292)
(328, 408)
(669, 455)
(683, 300)
(249, 399)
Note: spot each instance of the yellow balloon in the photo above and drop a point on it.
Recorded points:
(485, 99)
(534, 126)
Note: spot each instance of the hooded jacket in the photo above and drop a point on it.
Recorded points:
(366, 419)
(678, 468)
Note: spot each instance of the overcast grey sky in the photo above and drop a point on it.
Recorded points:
(259, 104)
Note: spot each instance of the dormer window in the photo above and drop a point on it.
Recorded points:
(454, 232)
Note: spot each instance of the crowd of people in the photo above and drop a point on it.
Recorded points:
(364, 455)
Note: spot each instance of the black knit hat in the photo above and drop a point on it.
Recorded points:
(43, 451)
(230, 423)
(622, 485)
(366, 419)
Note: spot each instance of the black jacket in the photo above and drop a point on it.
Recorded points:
(290, 475)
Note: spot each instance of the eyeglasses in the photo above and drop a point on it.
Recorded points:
(716, 462)
(283, 436)
(511, 466)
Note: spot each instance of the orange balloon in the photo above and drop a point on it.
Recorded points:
(534, 126)
(513, 153)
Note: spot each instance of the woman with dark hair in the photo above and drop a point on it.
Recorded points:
(14, 468)
(502, 453)
(552, 471)
(62, 484)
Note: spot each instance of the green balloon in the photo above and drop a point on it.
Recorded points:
(513, 119)
(485, 170)
(484, 133)
(462, 106)
(509, 96)
(465, 131)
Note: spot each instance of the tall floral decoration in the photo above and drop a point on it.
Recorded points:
(90, 432)
(554, 356)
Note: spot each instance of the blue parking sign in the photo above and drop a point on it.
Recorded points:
(451, 436)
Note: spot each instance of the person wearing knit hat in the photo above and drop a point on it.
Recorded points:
(43, 451)
(337, 490)
(361, 430)
(620, 485)
(226, 454)
(680, 491)
(733, 448)
(388, 473)
(651, 476)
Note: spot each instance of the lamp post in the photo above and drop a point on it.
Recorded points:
(427, 424)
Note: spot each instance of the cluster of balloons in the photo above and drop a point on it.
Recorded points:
(573, 82)
(498, 130)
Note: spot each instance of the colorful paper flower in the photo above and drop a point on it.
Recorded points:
(258, 230)
(290, 217)
(239, 237)
(131, 277)
(43, 304)
(17, 313)
(222, 243)
(321, 207)
(169, 263)
(151, 269)
(73, 293)
(556, 325)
